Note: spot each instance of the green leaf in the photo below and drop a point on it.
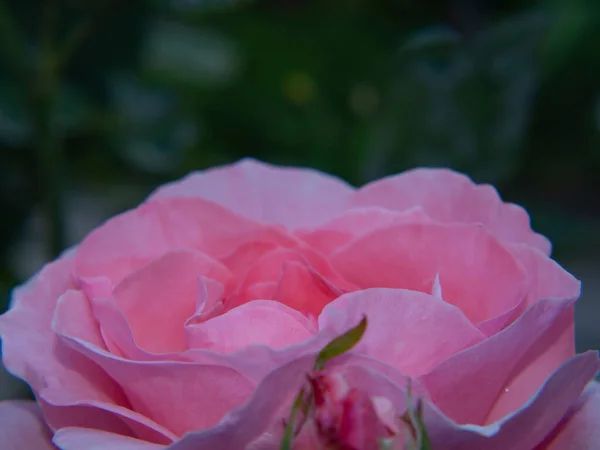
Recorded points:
(341, 344)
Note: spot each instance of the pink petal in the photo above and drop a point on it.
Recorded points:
(468, 385)
(292, 197)
(304, 290)
(64, 380)
(346, 364)
(242, 258)
(266, 268)
(26, 332)
(135, 238)
(409, 330)
(66, 402)
(158, 298)
(536, 366)
(258, 322)
(476, 272)
(210, 301)
(547, 279)
(282, 266)
(102, 416)
(265, 410)
(357, 222)
(580, 428)
(522, 430)
(528, 426)
(450, 197)
(180, 396)
(254, 361)
(22, 427)
(82, 438)
(118, 334)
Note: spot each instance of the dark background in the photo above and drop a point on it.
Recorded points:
(101, 100)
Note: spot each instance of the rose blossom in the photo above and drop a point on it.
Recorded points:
(192, 321)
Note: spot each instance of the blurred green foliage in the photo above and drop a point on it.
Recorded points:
(100, 95)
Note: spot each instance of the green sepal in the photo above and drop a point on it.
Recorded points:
(341, 344)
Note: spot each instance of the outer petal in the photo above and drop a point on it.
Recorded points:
(410, 330)
(502, 372)
(267, 407)
(154, 228)
(168, 392)
(357, 222)
(522, 430)
(22, 427)
(87, 439)
(67, 384)
(260, 419)
(580, 429)
(292, 197)
(448, 196)
(547, 279)
(525, 428)
(26, 333)
(475, 271)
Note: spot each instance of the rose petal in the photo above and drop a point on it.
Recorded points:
(103, 416)
(522, 430)
(73, 438)
(536, 365)
(475, 271)
(25, 330)
(254, 361)
(410, 330)
(268, 406)
(528, 426)
(272, 267)
(166, 392)
(467, 385)
(258, 322)
(304, 289)
(357, 222)
(547, 279)
(449, 197)
(292, 197)
(64, 380)
(579, 428)
(158, 298)
(22, 427)
(66, 402)
(135, 238)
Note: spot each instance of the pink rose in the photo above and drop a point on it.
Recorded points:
(193, 321)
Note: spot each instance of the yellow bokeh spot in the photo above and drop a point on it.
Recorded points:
(299, 87)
